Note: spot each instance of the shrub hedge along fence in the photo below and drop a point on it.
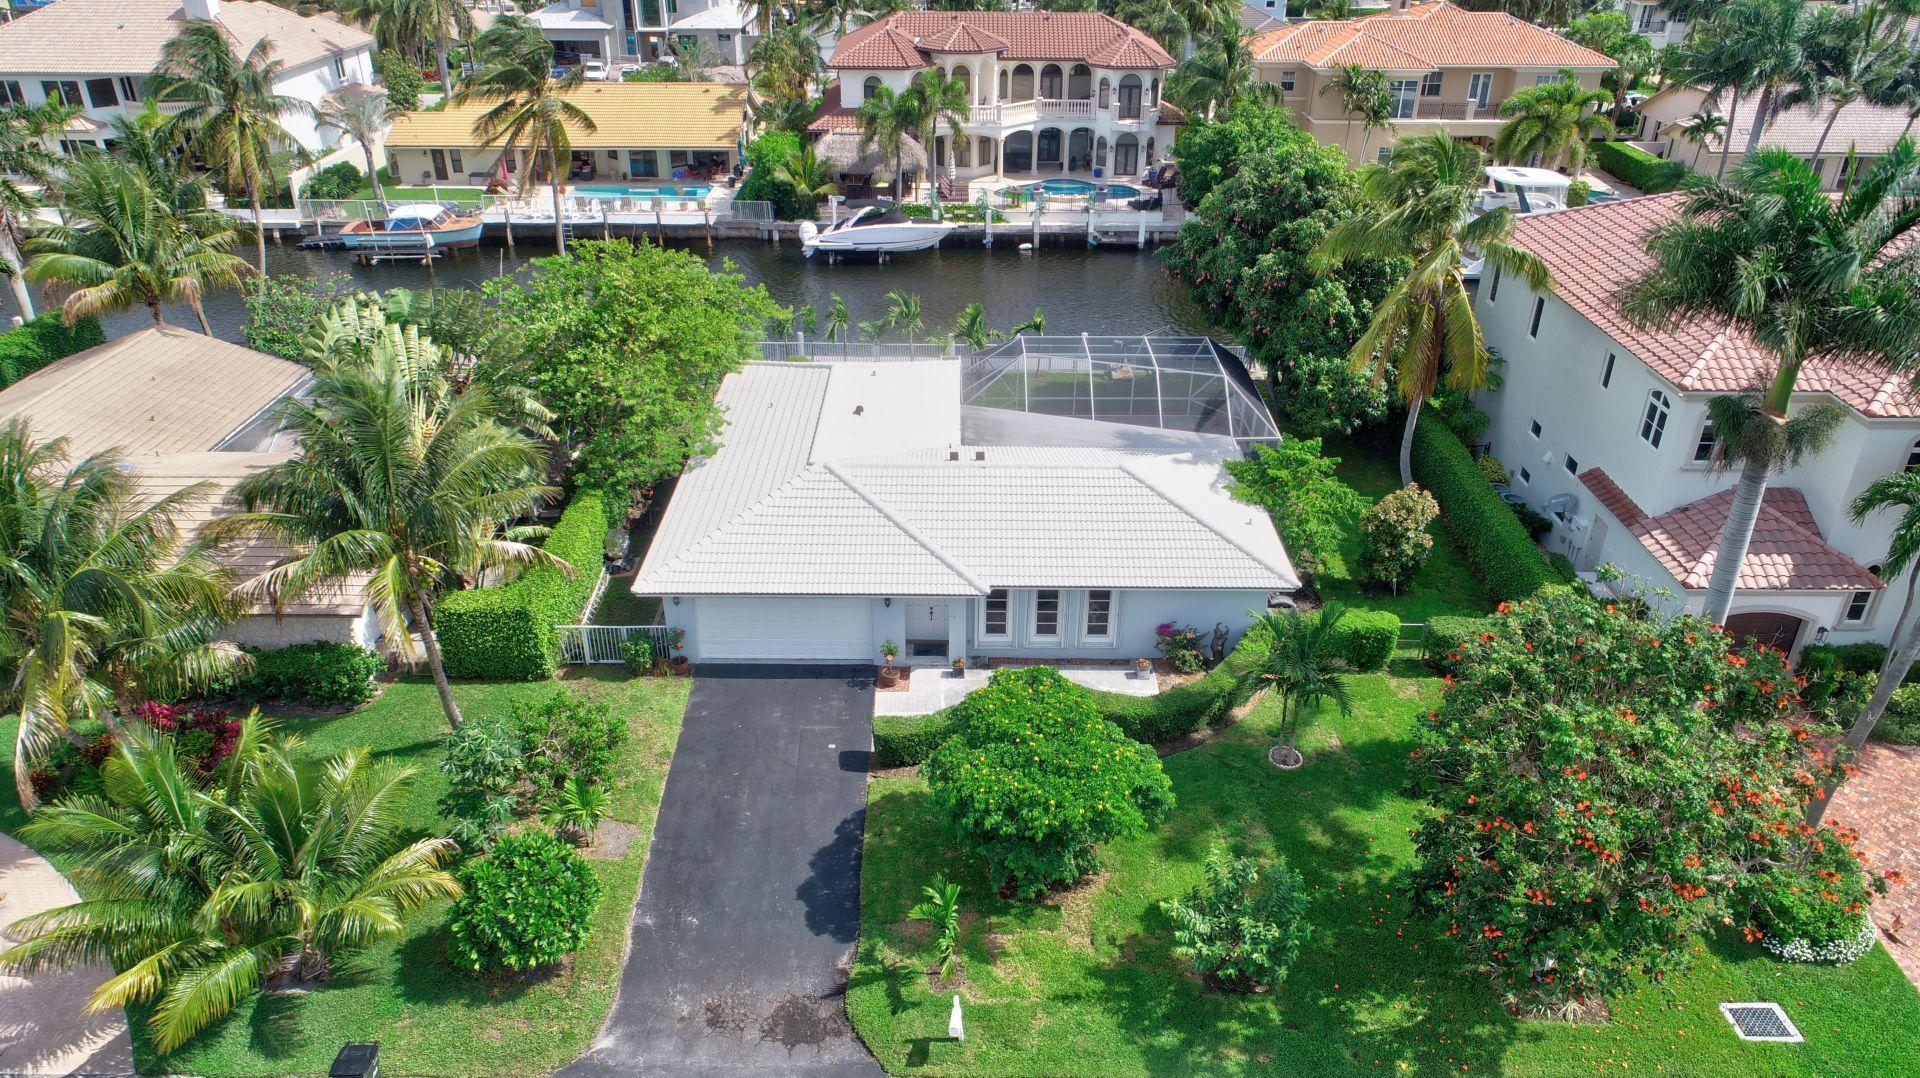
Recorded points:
(1366, 638)
(42, 340)
(1496, 545)
(507, 633)
(1635, 166)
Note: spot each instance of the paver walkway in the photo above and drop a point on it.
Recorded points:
(931, 688)
(751, 900)
(44, 1027)
(1883, 804)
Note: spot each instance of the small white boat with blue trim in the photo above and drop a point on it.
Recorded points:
(415, 228)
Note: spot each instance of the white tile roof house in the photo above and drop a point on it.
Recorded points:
(1059, 497)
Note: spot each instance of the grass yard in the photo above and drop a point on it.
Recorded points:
(469, 196)
(428, 1017)
(1086, 984)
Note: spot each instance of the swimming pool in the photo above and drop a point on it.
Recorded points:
(1081, 188)
(615, 190)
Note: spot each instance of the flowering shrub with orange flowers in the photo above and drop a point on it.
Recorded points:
(1813, 908)
(1034, 778)
(1606, 788)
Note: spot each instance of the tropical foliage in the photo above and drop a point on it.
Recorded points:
(1551, 124)
(528, 115)
(25, 132)
(1299, 486)
(1302, 665)
(1242, 933)
(527, 903)
(1395, 538)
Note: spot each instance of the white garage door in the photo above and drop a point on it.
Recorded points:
(784, 627)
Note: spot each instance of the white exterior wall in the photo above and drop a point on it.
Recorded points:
(267, 631)
(1554, 379)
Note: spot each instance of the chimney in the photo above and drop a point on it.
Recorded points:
(200, 9)
(1399, 7)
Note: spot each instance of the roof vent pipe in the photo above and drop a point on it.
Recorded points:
(979, 454)
(953, 454)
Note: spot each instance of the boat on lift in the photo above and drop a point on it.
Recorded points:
(876, 227)
(415, 227)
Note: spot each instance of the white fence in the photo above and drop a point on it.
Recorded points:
(589, 644)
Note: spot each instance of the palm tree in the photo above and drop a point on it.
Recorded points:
(888, 120)
(1551, 123)
(1846, 55)
(362, 118)
(399, 477)
(24, 131)
(1713, 58)
(438, 21)
(148, 141)
(529, 113)
(204, 892)
(1702, 127)
(122, 244)
(971, 326)
(104, 597)
(1302, 668)
(835, 15)
(229, 110)
(1218, 75)
(1207, 18)
(903, 315)
(785, 65)
(1364, 96)
(837, 317)
(1804, 275)
(691, 57)
(940, 98)
(1767, 37)
(1424, 330)
(807, 174)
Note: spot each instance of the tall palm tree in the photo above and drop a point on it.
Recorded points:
(1805, 275)
(1424, 330)
(105, 598)
(785, 65)
(149, 142)
(399, 477)
(939, 98)
(837, 317)
(1208, 19)
(1219, 74)
(24, 157)
(1768, 36)
(1301, 668)
(1552, 123)
(1364, 96)
(1714, 58)
(203, 892)
(528, 111)
(888, 120)
(691, 59)
(836, 15)
(441, 22)
(1846, 53)
(362, 118)
(229, 109)
(123, 244)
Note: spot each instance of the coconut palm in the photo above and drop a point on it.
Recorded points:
(837, 317)
(1713, 58)
(1302, 668)
(229, 110)
(399, 478)
(1364, 96)
(438, 21)
(122, 244)
(362, 118)
(528, 113)
(1551, 124)
(1804, 275)
(888, 120)
(1424, 330)
(806, 173)
(939, 98)
(1702, 127)
(1768, 38)
(1219, 74)
(204, 892)
(149, 142)
(822, 16)
(24, 157)
(1208, 19)
(105, 597)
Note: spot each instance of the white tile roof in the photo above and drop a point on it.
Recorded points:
(878, 508)
(125, 37)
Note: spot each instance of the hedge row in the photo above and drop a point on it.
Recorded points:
(508, 632)
(1366, 638)
(320, 674)
(42, 340)
(1446, 636)
(1496, 545)
(1638, 168)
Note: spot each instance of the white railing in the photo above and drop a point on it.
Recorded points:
(1053, 108)
(593, 644)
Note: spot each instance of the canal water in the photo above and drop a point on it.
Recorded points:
(1081, 290)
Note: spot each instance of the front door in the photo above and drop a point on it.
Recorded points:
(440, 165)
(926, 629)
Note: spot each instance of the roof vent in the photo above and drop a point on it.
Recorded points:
(859, 409)
(979, 454)
(953, 454)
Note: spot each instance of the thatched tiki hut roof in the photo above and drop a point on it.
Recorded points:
(840, 150)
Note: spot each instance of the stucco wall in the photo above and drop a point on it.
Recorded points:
(267, 631)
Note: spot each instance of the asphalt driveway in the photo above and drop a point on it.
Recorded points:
(751, 900)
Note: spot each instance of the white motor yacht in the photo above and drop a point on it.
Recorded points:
(877, 228)
(1524, 190)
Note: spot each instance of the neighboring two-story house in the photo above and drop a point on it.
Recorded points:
(1867, 131)
(1604, 427)
(643, 30)
(1652, 21)
(1448, 69)
(96, 56)
(1053, 92)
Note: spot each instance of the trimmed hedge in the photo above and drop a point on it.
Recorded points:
(1638, 168)
(319, 674)
(40, 341)
(507, 633)
(1366, 638)
(1496, 545)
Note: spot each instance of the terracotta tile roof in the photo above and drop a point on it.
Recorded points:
(1612, 497)
(903, 40)
(1422, 38)
(1868, 129)
(1596, 251)
(626, 115)
(832, 115)
(124, 37)
(1787, 552)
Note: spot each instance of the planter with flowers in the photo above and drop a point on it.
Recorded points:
(676, 644)
(889, 673)
(1143, 668)
(960, 667)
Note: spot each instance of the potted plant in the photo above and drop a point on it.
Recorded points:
(1143, 667)
(960, 667)
(889, 674)
(676, 641)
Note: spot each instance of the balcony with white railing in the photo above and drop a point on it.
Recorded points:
(1045, 108)
(1430, 108)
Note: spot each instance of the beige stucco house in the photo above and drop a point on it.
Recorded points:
(1868, 131)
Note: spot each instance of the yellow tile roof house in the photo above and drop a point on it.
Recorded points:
(642, 131)
(1449, 68)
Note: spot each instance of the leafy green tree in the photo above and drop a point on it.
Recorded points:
(1394, 537)
(24, 134)
(1240, 934)
(106, 600)
(1804, 275)
(401, 78)
(627, 346)
(203, 894)
(941, 909)
(1552, 124)
(1366, 96)
(528, 903)
(282, 313)
(1298, 486)
(1219, 74)
(1302, 667)
(1037, 818)
(1611, 33)
(785, 65)
(1424, 330)
(1606, 787)
(228, 109)
(527, 110)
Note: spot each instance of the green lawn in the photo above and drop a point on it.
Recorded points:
(464, 195)
(1086, 985)
(428, 1017)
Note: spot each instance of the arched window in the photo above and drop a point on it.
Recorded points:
(1003, 84)
(870, 87)
(963, 75)
(1017, 155)
(1129, 98)
(1022, 82)
(1051, 84)
(1153, 94)
(1653, 425)
(1100, 152)
(1080, 82)
(1913, 458)
(1126, 155)
(1080, 149)
(1047, 147)
(1150, 159)
(1106, 93)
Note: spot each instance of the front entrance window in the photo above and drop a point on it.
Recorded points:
(994, 623)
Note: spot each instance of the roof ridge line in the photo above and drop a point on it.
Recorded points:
(900, 522)
(1128, 467)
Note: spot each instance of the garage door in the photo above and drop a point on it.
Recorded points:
(782, 627)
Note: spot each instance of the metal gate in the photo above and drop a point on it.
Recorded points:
(586, 644)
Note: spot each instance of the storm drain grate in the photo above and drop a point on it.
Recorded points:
(1761, 1022)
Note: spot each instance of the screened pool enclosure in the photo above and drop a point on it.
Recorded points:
(1188, 384)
